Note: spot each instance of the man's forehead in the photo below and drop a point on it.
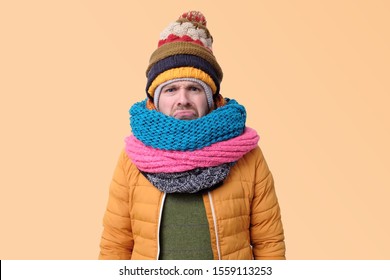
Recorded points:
(183, 83)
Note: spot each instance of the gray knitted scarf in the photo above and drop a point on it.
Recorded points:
(191, 181)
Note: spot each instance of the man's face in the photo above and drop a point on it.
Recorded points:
(183, 100)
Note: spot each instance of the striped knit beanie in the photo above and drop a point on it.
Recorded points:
(184, 52)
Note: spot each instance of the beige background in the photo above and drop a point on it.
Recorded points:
(313, 75)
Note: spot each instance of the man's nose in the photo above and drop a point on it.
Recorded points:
(183, 97)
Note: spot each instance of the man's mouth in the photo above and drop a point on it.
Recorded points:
(184, 114)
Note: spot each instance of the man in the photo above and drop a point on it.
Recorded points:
(192, 182)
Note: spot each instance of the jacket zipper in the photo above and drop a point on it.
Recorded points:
(158, 226)
(215, 225)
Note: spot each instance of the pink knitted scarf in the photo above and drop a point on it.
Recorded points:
(153, 160)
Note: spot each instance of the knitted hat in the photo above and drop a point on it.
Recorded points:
(185, 53)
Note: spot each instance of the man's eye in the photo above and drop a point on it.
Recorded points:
(169, 90)
(194, 89)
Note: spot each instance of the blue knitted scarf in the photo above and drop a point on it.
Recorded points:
(167, 133)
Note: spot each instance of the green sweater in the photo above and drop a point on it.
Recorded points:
(184, 231)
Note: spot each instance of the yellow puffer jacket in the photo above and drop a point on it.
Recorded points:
(243, 214)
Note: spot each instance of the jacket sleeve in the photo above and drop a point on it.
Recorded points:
(117, 238)
(267, 235)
